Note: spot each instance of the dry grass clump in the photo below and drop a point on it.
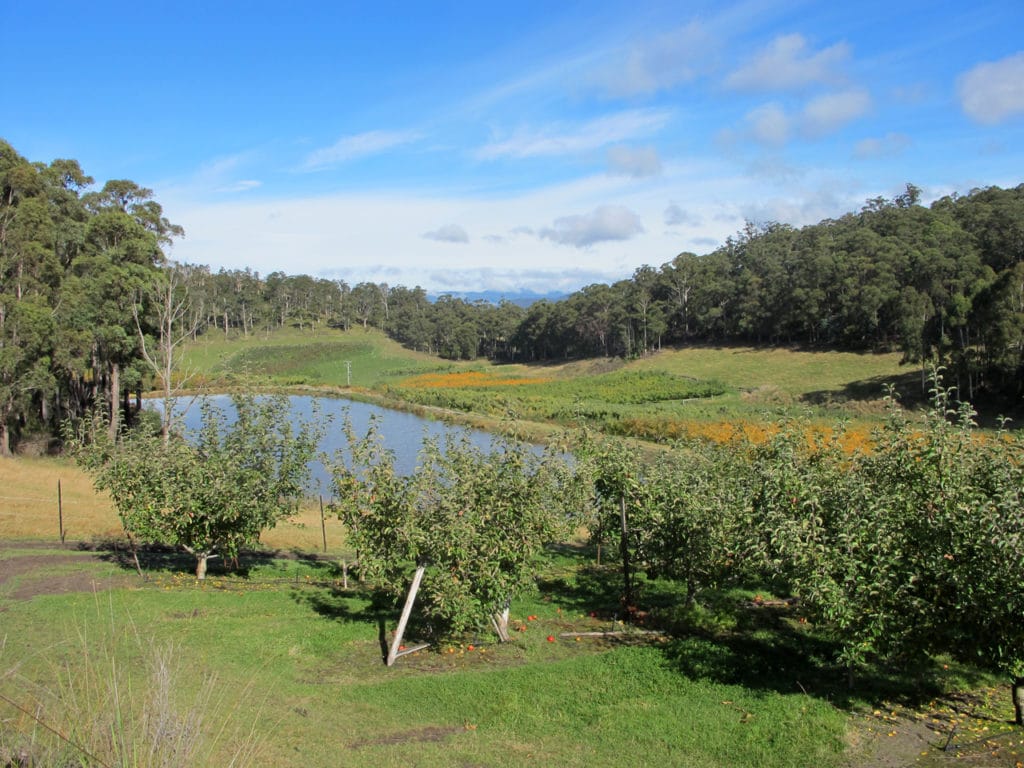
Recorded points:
(114, 698)
(28, 501)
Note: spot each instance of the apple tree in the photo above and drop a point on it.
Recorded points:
(476, 520)
(216, 495)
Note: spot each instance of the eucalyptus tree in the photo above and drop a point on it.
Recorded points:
(166, 305)
(412, 318)
(38, 214)
(124, 237)
(365, 304)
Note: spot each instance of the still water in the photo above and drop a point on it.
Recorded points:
(403, 433)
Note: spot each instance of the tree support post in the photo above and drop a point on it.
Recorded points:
(500, 623)
(393, 652)
(323, 523)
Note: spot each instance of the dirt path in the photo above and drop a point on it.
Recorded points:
(51, 573)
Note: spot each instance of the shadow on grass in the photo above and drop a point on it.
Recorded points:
(907, 386)
(730, 639)
(157, 559)
(990, 407)
(359, 605)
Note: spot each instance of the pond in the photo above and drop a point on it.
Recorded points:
(403, 433)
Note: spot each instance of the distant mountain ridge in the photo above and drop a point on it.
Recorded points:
(520, 298)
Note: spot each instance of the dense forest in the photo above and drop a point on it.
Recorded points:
(91, 308)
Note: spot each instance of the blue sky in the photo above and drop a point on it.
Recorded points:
(521, 146)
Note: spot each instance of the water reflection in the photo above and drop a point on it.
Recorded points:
(403, 433)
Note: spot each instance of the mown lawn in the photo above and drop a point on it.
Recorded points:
(296, 659)
(281, 660)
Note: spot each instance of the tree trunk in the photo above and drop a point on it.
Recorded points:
(1018, 700)
(5, 438)
(114, 392)
(201, 560)
(627, 578)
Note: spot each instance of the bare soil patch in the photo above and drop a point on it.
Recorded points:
(430, 733)
(34, 574)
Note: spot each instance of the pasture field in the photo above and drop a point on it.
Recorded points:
(280, 661)
(291, 357)
(716, 387)
(298, 679)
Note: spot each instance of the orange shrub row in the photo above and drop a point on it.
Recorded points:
(755, 433)
(459, 379)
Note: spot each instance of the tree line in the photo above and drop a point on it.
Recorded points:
(942, 283)
(91, 307)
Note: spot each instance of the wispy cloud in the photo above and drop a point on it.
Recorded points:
(561, 139)
(604, 223)
(242, 185)
(358, 145)
(658, 63)
(886, 146)
(830, 112)
(636, 162)
(676, 216)
(993, 92)
(448, 233)
(788, 64)
(769, 125)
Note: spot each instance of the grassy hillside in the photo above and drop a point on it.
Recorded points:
(724, 383)
(292, 357)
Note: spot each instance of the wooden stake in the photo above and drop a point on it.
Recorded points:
(406, 611)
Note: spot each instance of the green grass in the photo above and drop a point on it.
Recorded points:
(286, 662)
(299, 659)
(793, 372)
(666, 390)
(290, 357)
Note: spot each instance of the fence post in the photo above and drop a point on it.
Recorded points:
(60, 512)
(323, 525)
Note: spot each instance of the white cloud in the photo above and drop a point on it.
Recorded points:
(216, 176)
(539, 281)
(787, 64)
(886, 146)
(356, 146)
(606, 222)
(637, 162)
(768, 124)
(658, 63)
(993, 92)
(242, 185)
(826, 114)
(566, 140)
(676, 216)
(378, 236)
(449, 233)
